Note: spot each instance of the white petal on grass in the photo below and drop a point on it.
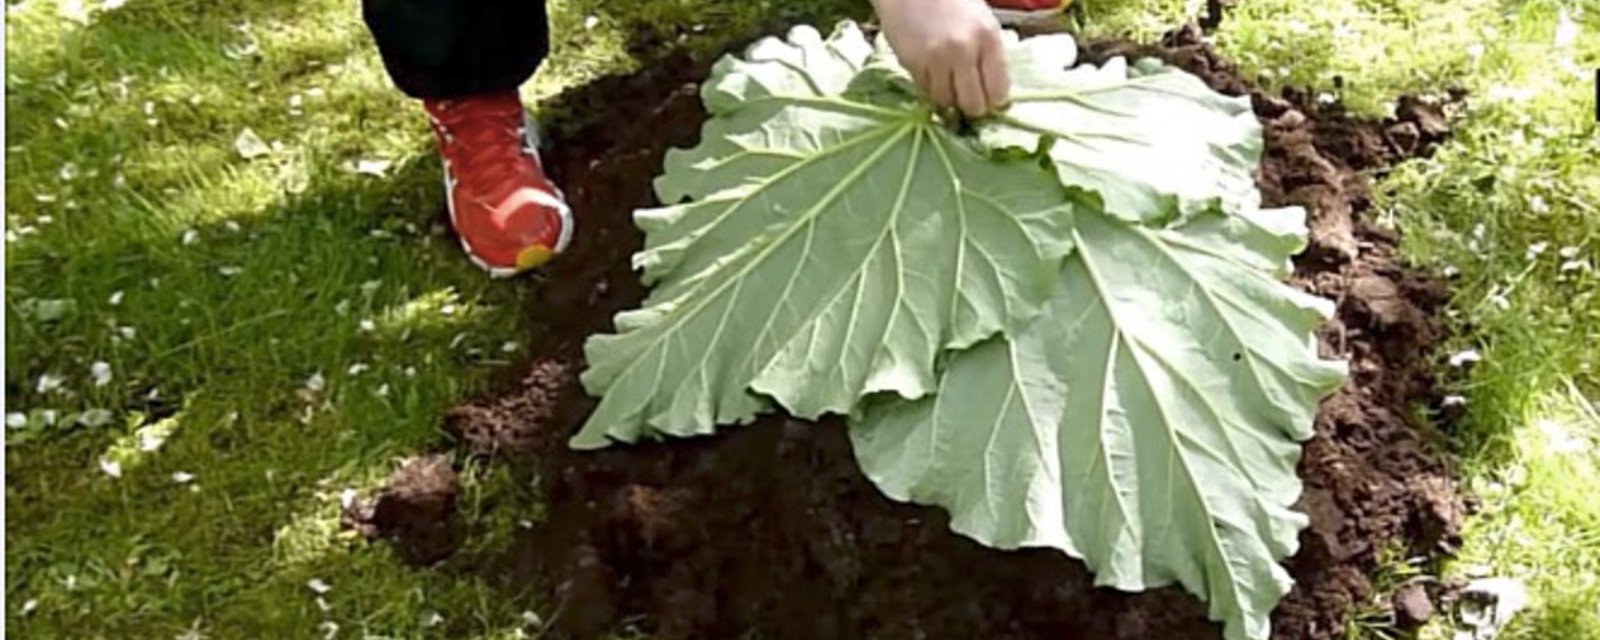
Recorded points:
(1486, 605)
(318, 586)
(100, 373)
(249, 145)
(72, 10)
(1566, 29)
(52, 309)
(151, 440)
(190, 237)
(1568, 253)
(357, 369)
(1573, 265)
(329, 629)
(532, 619)
(230, 271)
(1537, 204)
(95, 418)
(48, 383)
(16, 420)
(30, 606)
(127, 333)
(366, 326)
(432, 619)
(377, 168)
(1465, 357)
(111, 467)
(1536, 249)
(1453, 401)
(115, 299)
(182, 477)
(590, 21)
(316, 382)
(347, 497)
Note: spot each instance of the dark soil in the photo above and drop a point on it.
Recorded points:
(416, 509)
(772, 528)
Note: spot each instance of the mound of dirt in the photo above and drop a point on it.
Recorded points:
(771, 527)
(416, 508)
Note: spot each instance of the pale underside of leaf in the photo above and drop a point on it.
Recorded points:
(831, 248)
(1148, 141)
(1148, 422)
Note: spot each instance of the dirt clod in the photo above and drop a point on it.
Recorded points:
(1412, 606)
(771, 527)
(416, 509)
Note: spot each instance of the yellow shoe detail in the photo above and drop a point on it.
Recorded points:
(534, 257)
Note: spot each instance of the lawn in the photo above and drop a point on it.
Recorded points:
(230, 298)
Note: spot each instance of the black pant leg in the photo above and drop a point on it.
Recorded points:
(453, 48)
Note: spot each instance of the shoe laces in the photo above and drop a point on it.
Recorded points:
(482, 138)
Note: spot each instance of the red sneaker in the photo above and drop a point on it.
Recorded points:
(509, 216)
(1015, 12)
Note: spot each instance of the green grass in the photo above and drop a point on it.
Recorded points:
(215, 288)
(1511, 205)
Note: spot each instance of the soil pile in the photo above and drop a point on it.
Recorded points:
(771, 527)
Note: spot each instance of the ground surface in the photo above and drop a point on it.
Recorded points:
(122, 129)
(773, 528)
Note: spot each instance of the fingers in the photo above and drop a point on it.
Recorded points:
(940, 85)
(992, 67)
(971, 74)
(970, 94)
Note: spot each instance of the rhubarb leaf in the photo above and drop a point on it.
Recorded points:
(1148, 422)
(1150, 142)
(836, 237)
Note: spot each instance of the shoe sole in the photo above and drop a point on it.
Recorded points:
(531, 143)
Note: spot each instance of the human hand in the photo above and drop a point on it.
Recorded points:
(952, 48)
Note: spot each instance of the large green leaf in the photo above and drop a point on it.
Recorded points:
(1149, 141)
(836, 239)
(1147, 422)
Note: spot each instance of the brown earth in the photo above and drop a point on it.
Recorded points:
(772, 528)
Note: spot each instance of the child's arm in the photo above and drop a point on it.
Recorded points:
(952, 48)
